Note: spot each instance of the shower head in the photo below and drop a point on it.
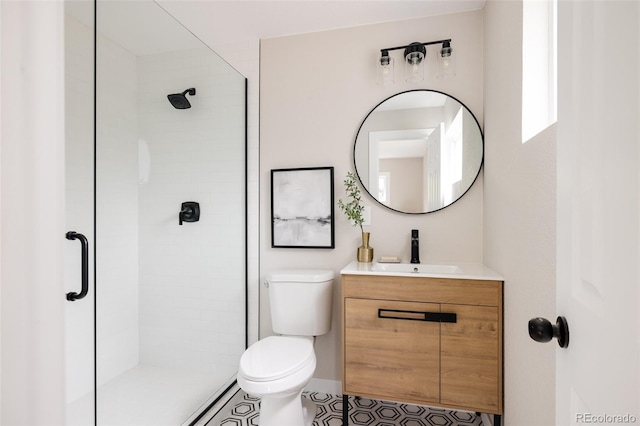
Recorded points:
(179, 100)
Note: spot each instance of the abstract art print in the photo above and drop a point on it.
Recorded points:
(302, 208)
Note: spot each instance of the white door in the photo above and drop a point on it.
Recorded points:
(597, 376)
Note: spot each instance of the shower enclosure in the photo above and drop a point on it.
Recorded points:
(157, 187)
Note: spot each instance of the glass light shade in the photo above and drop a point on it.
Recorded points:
(385, 71)
(446, 63)
(414, 67)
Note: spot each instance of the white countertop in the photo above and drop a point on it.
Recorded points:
(469, 271)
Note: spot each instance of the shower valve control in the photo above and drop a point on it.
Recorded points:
(189, 212)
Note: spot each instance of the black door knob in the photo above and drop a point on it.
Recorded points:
(541, 330)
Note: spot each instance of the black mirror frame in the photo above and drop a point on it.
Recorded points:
(480, 166)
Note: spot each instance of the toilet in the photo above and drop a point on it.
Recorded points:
(277, 368)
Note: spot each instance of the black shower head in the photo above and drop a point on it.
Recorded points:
(179, 100)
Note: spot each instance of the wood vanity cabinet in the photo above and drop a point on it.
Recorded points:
(429, 341)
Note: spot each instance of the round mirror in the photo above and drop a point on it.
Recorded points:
(418, 151)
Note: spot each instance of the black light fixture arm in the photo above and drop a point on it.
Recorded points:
(428, 43)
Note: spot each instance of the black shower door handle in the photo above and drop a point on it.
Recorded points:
(71, 296)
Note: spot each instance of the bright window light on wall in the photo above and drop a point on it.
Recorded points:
(539, 69)
(451, 158)
(384, 187)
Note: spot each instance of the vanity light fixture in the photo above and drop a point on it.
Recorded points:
(414, 56)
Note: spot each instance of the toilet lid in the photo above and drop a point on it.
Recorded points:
(275, 357)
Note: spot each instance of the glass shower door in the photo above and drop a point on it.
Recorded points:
(79, 213)
(170, 218)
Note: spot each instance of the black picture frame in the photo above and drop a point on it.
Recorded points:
(302, 208)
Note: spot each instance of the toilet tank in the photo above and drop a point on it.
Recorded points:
(301, 301)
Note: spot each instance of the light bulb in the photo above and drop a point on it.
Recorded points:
(415, 67)
(446, 62)
(385, 69)
(414, 55)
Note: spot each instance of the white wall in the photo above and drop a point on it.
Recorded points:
(404, 186)
(315, 90)
(32, 215)
(519, 219)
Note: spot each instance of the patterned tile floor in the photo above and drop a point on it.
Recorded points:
(362, 412)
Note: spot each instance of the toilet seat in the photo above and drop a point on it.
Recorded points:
(275, 357)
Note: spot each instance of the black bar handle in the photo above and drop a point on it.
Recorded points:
(71, 235)
(417, 315)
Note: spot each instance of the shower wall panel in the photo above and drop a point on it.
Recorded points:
(192, 292)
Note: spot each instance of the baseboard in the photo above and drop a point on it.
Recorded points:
(333, 387)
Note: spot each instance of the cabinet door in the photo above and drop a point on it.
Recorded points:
(390, 352)
(471, 356)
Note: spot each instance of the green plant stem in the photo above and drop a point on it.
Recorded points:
(353, 209)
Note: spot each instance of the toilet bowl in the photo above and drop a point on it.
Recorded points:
(277, 368)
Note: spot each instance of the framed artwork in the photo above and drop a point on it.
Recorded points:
(302, 208)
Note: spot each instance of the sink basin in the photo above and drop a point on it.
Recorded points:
(414, 268)
(455, 270)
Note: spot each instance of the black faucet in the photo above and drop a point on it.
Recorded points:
(415, 247)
